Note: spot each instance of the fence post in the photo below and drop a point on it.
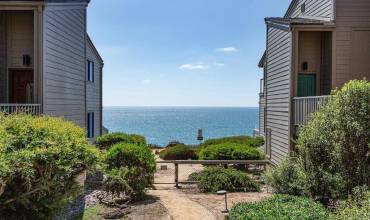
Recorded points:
(177, 175)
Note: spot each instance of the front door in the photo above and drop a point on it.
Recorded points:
(21, 86)
(306, 85)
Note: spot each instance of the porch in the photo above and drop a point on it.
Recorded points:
(20, 78)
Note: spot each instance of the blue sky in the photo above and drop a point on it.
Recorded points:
(181, 52)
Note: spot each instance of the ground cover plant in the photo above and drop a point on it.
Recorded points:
(130, 169)
(179, 152)
(230, 151)
(108, 140)
(246, 140)
(216, 178)
(39, 160)
(280, 207)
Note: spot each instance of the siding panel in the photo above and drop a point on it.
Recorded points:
(314, 8)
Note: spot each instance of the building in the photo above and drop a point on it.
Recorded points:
(48, 64)
(317, 46)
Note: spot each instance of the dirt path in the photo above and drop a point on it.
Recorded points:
(180, 207)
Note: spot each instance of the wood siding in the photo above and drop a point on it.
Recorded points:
(262, 106)
(3, 77)
(64, 63)
(93, 89)
(279, 48)
(314, 8)
(352, 41)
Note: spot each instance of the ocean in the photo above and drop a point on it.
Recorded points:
(160, 125)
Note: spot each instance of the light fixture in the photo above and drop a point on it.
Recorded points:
(221, 193)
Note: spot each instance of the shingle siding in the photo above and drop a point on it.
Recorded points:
(64, 90)
(279, 44)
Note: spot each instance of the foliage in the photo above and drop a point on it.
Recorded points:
(179, 152)
(39, 158)
(108, 140)
(130, 169)
(245, 140)
(334, 144)
(216, 178)
(230, 151)
(357, 207)
(288, 178)
(280, 207)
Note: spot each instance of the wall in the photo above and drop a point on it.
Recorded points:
(352, 41)
(2, 58)
(279, 48)
(321, 9)
(64, 63)
(93, 89)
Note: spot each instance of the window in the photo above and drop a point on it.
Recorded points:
(90, 71)
(90, 125)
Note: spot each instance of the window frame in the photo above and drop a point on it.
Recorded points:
(90, 71)
(90, 125)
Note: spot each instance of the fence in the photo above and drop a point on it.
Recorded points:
(178, 171)
(33, 109)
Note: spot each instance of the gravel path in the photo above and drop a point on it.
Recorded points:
(180, 207)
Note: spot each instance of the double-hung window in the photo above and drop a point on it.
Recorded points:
(90, 125)
(90, 71)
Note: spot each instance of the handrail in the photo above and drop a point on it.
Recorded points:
(305, 106)
(33, 109)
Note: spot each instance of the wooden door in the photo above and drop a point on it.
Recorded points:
(20, 86)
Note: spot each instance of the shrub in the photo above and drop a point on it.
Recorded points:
(245, 140)
(179, 152)
(213, 179)
(108, 140)
(230, 151)
(288, 178)
(130, 169)
(280, 207)
(39, 158)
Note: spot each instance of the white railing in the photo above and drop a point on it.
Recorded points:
(33, 109)
(305, 106)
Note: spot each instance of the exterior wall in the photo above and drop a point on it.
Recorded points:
(314, 8)
(352, 43)
(278, 98)
(2, 59)
(262, 106)
(93, 90)
(64, 62)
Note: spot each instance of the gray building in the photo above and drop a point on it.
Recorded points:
(48, 63)
(317, 46)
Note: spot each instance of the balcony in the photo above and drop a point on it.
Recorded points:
(305, 106)
(33, 109)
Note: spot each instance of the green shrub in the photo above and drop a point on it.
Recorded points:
(179, 152)
(288, 178)
(216, 178)
(245, 140)
(39, 158)
(230, 151)
(279, 207)
(108, 140)
(130, 169)
(356, 207)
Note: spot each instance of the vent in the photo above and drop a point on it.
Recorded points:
(303, 7)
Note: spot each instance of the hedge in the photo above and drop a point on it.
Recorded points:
(280, 207)
(39, 159)
(245, 140)
(108, 140)
(230, 151)
(179, 152)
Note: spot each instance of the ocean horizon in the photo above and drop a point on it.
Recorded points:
(161, 124)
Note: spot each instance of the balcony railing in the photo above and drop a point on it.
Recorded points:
(305, 106)
(33, 109)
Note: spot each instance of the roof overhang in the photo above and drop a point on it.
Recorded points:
(89, 41)
(262, 62)
(290, 23)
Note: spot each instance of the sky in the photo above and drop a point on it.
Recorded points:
(181, 52)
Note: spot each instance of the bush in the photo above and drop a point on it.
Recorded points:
(179, 152)
(213, 179)
(230, 151)
(108, 140)
(39, 158)
(130, 169)
(288, 178)
(245, 140)
(280, 207)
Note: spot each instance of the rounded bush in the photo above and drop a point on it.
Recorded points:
(179, 152)
(216, 178)
(245, 140)
(130, 169)
(108, 140)
(280, 207)
(39, 159)
(230, 151)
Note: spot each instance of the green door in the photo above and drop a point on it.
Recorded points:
(306, 85)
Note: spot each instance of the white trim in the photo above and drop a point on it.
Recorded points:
(315, 18)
